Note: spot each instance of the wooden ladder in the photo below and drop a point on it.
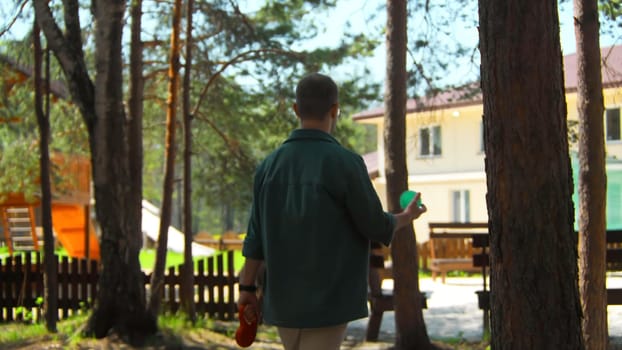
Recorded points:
(18, 223)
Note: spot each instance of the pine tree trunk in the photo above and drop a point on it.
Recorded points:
(43, 121)
(135, 110)
(410, 327)
(157, 277)
(592, 177)
(187, 286)
(534, 290)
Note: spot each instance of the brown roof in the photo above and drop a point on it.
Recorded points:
(611, 67)
(470, 94)
(463, 95)
(371, 162)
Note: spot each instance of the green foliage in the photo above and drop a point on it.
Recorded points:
(612, 9)
(19, 133)
(611, 18)
(246, 57)
(23, 313)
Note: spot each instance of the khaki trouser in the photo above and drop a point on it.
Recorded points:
(327, 338)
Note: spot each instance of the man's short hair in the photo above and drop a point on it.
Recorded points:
(315, 95)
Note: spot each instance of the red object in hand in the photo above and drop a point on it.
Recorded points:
(246, 332)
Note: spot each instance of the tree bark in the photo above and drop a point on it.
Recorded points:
(410, 327)
(120, 302)
(188, 272)
(592, 176)
(122, 294)
(43, 121)
(534, 290)
(157, 277)
(135, 110)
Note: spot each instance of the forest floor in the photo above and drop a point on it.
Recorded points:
(453, 321)
(219, 336)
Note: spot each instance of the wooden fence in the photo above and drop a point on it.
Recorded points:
(21, 287)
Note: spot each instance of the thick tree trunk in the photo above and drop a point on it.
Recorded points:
(410, 326)
(43, 121)
(187, 286)
(535, 298)
(157, 277)
(592, 176)
(120, 303)
(121, 299)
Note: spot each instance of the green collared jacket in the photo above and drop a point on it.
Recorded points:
(314, 213)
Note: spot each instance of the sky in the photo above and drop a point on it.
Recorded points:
(355, 11)
(369, 17)
(359, 14)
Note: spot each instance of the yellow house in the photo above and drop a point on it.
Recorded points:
(445, 146)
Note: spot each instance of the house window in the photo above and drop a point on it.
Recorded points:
(612, 122)
(461, 206)
(430, 141)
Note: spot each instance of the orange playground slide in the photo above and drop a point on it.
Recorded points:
(69, 222)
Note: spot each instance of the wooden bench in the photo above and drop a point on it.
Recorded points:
(451, 248)
(380, 300)
(227, 241)
(481, 259)
(614, 263)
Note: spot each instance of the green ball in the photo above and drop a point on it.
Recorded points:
(406, 197)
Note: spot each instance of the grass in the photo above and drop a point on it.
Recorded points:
(17, 333)
(147, 259)
(173, 259)
(175, 332)
(4, 252)
(20, 333)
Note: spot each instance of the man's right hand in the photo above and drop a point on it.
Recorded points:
(248, 301)
(410, 213)
(413, 210)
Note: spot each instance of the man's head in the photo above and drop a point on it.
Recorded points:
(316, 96)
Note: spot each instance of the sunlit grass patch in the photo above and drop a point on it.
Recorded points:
(173, 259)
